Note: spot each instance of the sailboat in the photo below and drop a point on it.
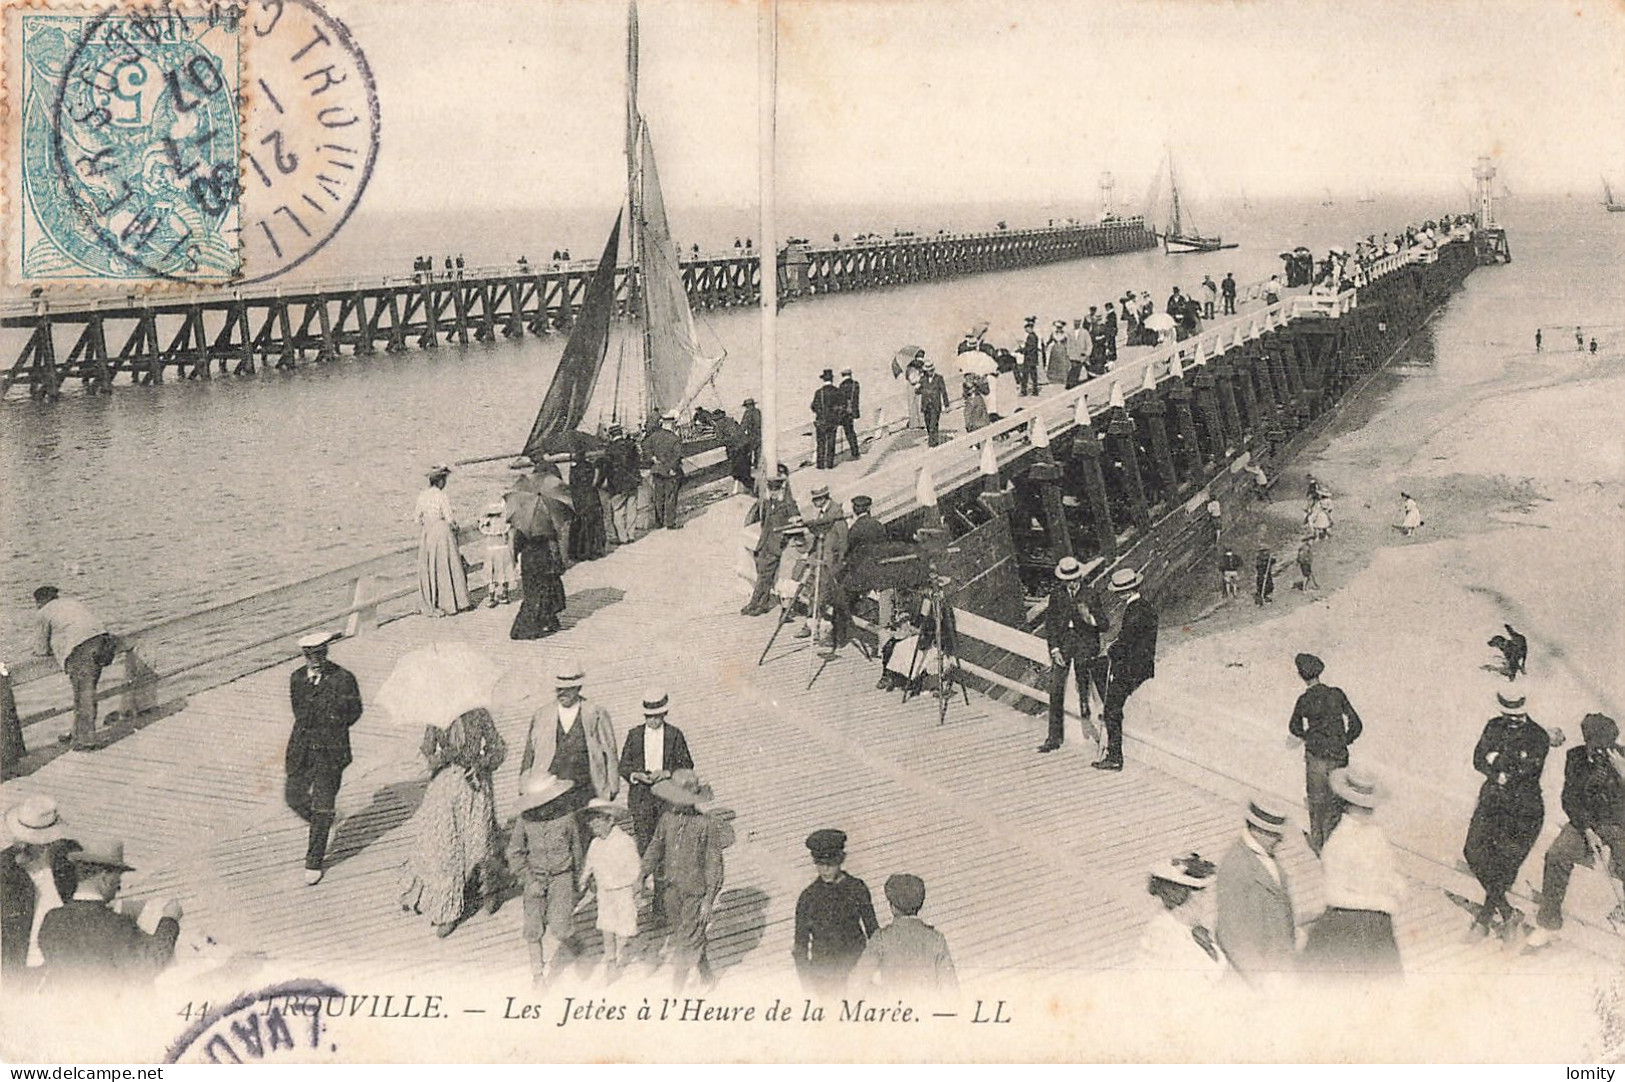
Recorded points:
(656, 353)
(1181, 234)
(1613, 205)
(1367, 197)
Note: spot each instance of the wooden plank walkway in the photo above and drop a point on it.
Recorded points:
(1035, 863)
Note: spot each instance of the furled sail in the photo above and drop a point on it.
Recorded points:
(571, 390)
(669, 330)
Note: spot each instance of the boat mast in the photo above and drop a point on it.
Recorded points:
(1174, 229)
(767, 49)
(638, 308)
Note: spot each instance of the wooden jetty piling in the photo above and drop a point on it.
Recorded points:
(334, 314)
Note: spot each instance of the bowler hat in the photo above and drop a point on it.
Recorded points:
(683, 787)
(35, 821)
(906, 893)
(1357, 786)
(101, 853)
(827, 846)
(750, 402)
(827, 375)
(1125, 579)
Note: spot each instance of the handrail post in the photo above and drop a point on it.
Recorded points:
(364, 607)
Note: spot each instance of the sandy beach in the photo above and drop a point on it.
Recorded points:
(1516, 461)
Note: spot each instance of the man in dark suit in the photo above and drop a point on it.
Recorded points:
(1256, 928)
(84, 940)
(1031, 350)
(1072, 627)
(773, 509)
(933, 401)
(33, 865)
(326, 702)
(1594, 801)
(828, 404)
(663, 448)
(750, 450)
(827, 524)
(1133, 660)
(651, 752)
(850, 390)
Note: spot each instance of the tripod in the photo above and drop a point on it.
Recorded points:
(787, 611)
(942, 637)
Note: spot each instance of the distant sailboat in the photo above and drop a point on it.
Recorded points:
(657, 355)
(1367, 197)
(1613, 205)
(1181, 235)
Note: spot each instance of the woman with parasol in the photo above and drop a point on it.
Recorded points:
(446, 686)
(442, 582)
(539, 507)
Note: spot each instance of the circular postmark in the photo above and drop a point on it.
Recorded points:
(310, 132)
(280, 1024)
(226, 144)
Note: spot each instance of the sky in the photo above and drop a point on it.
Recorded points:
(520, 102)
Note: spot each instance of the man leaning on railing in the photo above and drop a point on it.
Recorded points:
(79, 640)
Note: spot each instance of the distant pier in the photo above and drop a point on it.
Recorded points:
(200, 334)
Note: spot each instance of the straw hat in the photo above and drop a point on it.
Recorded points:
(439, 469)
(1510, 701)
(35, 821)
(317, 639)
(569, 674)
(101, 853)
(1069, 569)
(1189, 870)
(618, 812)
(655, 701)
(1264, 814)
(1357, 786)
(1125, 579)
(683, 787)
(539, 788)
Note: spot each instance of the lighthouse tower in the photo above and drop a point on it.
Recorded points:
(1108, 186)
(1489, 239)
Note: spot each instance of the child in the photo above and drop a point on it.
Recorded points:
(502, 572)
(686, 855)
(1230, 571)
(544, 853)
(613, 868)
(1306, 567)
(908, 954)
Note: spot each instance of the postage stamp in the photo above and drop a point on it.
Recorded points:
(124, 145)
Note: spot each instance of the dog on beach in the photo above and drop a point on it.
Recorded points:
(1514, 652)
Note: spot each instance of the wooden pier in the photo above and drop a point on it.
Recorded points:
(199, 334)
(195, 785)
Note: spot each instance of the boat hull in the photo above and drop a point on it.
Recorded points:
(1179, 245)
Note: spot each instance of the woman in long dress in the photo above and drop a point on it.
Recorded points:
(587, 538)
(455, 827)
(975, 394)
(442, 582)
(1355, 936)
(541, 586)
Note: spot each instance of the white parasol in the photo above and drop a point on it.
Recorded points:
(435, 684)
(1161, 321)
(977, 363)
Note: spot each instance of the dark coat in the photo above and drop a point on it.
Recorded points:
(1134, 654)
(1067, 629)
(19, 900)
(1593, 794)
(851, 389)
(86, 939)
(322, 716)
(828, 405)
(663, 449)
(1510, 812)
(833, 924)
(774, 515)
(640, 799)
(751, 422)
(621, 470)
(933, 393)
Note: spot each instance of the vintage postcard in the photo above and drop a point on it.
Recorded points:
(1136, 576)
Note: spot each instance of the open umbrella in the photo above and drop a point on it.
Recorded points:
(977, 362)
(435, 684)
(904, 357)
(1160, 321)
(539, 505)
